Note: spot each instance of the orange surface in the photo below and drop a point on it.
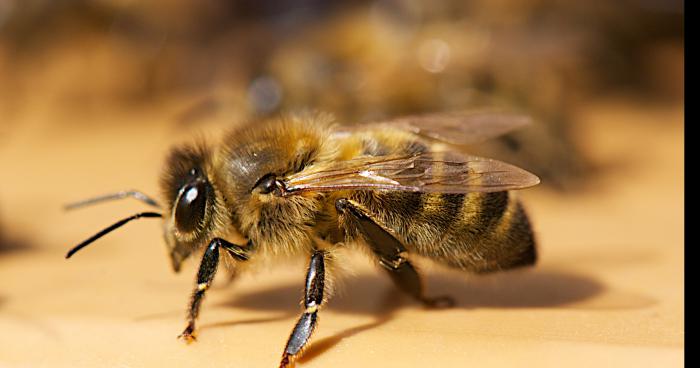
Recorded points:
(608, 291)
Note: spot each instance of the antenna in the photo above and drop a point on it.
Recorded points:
(111, 228)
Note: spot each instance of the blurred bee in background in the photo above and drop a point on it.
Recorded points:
(453, 63)
(302, 185)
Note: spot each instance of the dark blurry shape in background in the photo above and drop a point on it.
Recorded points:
(361, 60)
(9, 242)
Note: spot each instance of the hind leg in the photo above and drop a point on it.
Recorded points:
(390, 252)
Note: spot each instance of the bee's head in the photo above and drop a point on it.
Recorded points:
(235, 190)
(192, 204)
(192, 210)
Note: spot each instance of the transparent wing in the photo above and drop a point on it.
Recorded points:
(443, 172)
(460, 128)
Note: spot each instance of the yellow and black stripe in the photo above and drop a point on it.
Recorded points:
(479, 232)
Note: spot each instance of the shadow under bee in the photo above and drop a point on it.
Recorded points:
(365, 295)
(520, 289)
(369, 294)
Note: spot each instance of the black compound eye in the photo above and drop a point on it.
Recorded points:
(267, 184)
(189, 212)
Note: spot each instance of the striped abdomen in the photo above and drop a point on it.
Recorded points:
(479, 232)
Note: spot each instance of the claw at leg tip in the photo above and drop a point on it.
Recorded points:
(285, 361)
(188, 335)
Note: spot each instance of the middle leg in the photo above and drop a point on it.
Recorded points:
(313, 297)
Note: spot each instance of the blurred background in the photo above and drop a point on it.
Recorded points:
(93, 92)
(224, 61)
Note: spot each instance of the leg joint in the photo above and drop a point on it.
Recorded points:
(393, 264)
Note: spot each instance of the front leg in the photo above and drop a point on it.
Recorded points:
(313, 297)
(205, 275)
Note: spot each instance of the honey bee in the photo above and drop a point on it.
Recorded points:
(303, 185)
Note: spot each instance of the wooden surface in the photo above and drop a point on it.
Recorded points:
(608, 291)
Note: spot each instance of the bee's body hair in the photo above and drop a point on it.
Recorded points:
(478, 232)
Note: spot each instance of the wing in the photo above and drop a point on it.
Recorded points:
(443, 172)
(460, 128)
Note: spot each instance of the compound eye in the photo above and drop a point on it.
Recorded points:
(189, 212)
(267, 184)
